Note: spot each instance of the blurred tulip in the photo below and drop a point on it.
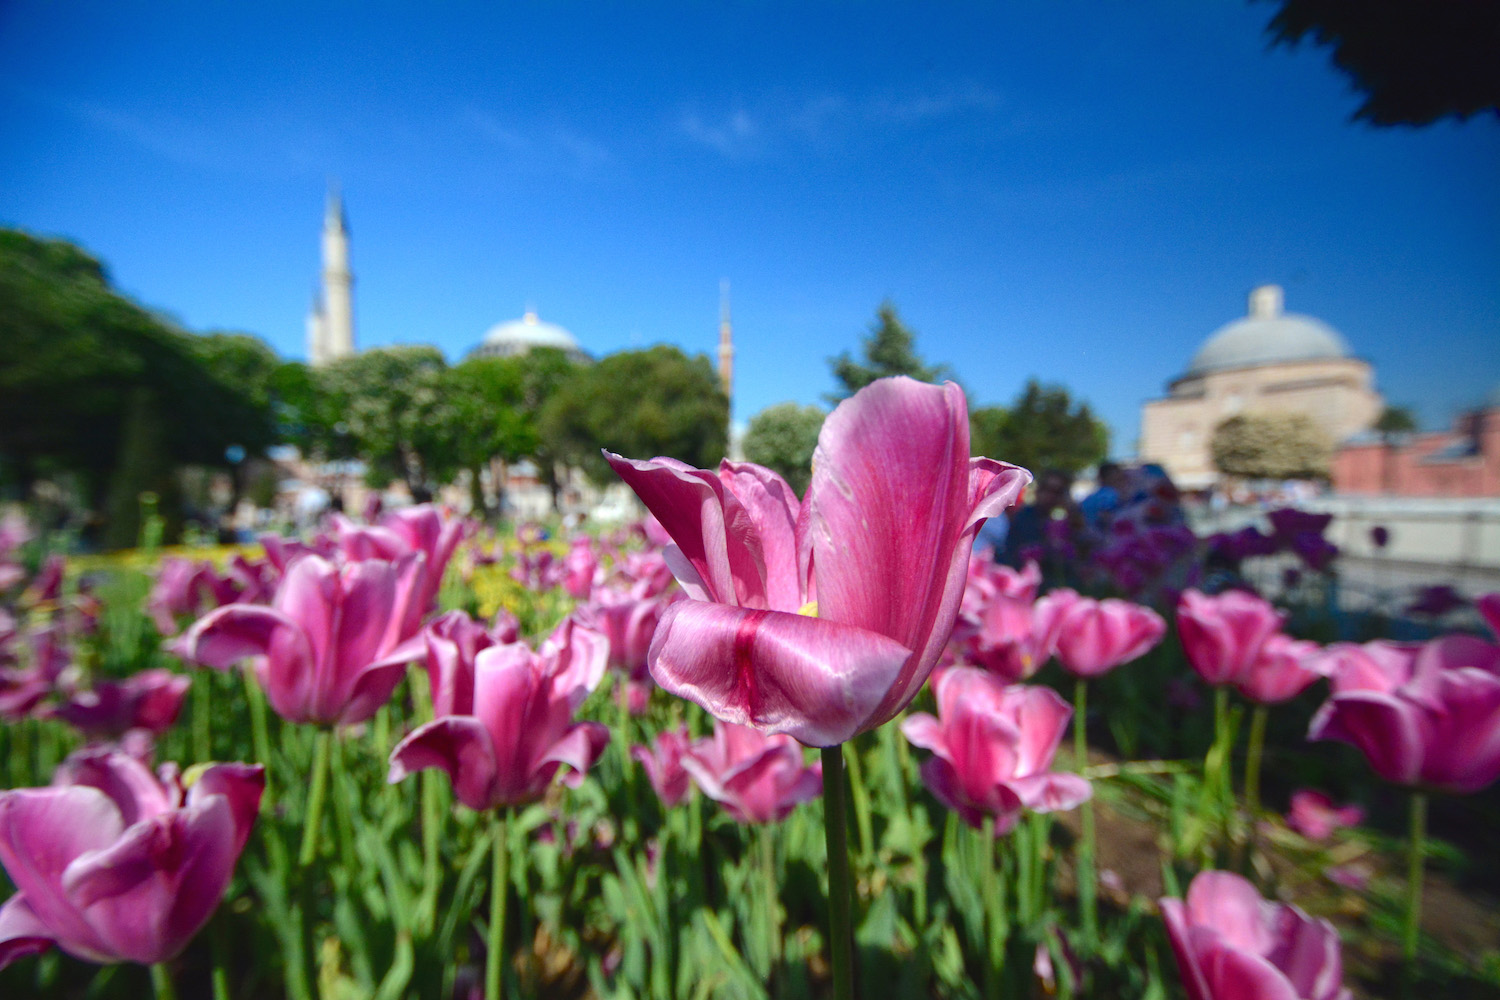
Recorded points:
(1094, 637)
(452, 641)
(520, 733)
(662, 762)
(992, 746)
(1233, 945)
(1488, 606)
(1284, 668)
(1436, 601)
(755, 777)
(1314, 815)
(1223, 635)
(150, 700)
(1426, 716)
(877, 551)
(115, 864)
(580, 565)
(326, 649)
(1380, 536)
(1013, 639)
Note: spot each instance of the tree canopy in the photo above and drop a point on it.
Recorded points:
(639, 404)
(890, 349)
(1271, 446)
(782, 438)
(1043, 429)
(1415, 60)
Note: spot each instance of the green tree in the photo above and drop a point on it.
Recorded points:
(90, 383)
(782, 438)
(490, 418)
(640, 404)
(1043, 429)
(1395, 421)
(1271, 446)
(1416, 61)
(890, 349)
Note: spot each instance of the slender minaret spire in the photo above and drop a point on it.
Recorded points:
(338, 283)
(317, 348)
(726, 343)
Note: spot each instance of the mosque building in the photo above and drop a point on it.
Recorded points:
(1268, 361)
(517, 336)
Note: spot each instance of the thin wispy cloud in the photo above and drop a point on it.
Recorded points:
(551, 147)
(830, 119)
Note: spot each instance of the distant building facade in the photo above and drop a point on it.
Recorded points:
(1462, 462)
(1268, 361)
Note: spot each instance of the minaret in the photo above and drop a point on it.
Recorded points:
(338, 283)
(726, 343)
(317, 347)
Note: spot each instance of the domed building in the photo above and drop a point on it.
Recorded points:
(517, 336)
(1268, 361)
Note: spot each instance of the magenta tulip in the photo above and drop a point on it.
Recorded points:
(115, 864)
(662, 762)
(1233, 945)
(1284, 668)
(1223, 635)
(1314, 815)
(580, 565)
(452, 642)
(877, 552)
(521, 730)
(1094, 637)
(328, 649)
(1426, 716)
(149, 700)
(992, 747)
(756, 778)
(1489, 609)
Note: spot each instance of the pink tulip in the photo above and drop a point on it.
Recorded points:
(662, 762)
(880, 545)
(521, 730)
(1013, 639)
(422, 529)
(992, 745)
(1094, 637)
(755, 777)
(988, 580)
(580, 565)
(1424, 715)
(327, 650)
(1223, 635)
(452, 641)
(1285, 668)
(1233, 945)
(115, 864)
(1314, 815)
(150, 700)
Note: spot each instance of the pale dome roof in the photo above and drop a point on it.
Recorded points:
(517, 336)
(531, 331)
(1267, 336)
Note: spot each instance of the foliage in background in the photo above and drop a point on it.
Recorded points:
(1043, 429)
(639, 404)
(890, 349)
(782, 437)
(1271, 446)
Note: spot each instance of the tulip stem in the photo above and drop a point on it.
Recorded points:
(1253, 755)
(1088, 905)
(494, 961)
(1414, 880)
(836, 833)
(202, 712)
(768, 883)
(315, 796)
(1222, 779)
(161, 982)
(259, 735)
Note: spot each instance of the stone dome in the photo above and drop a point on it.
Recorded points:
(517, 336)
(1267, 336)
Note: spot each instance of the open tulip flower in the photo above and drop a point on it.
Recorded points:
(874, 558)
(1284, 668)
(115, 864)
(1425, 716)
(1013, 638)
(329, 649)
(1314, 815)
(149, 700)
(755, 777)
(662, 762)
(521, 730)
(1223, 635)
(452, 642)
(992, 746)
(1231, 944)
(1094, 637)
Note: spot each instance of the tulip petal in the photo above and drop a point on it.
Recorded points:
(1388, 730)
(42, 830)
(1232, 974)
(242, 786)
(1230, 905)
(922, 730)
(1051, 791)
(1464, 755)
(773, 508)
(579, 748)
(457, 744)
(893, 501)
(817, 680)
(227, 635)
(1179, 933)
(21, 933)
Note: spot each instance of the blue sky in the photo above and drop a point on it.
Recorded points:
(1076, 191)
